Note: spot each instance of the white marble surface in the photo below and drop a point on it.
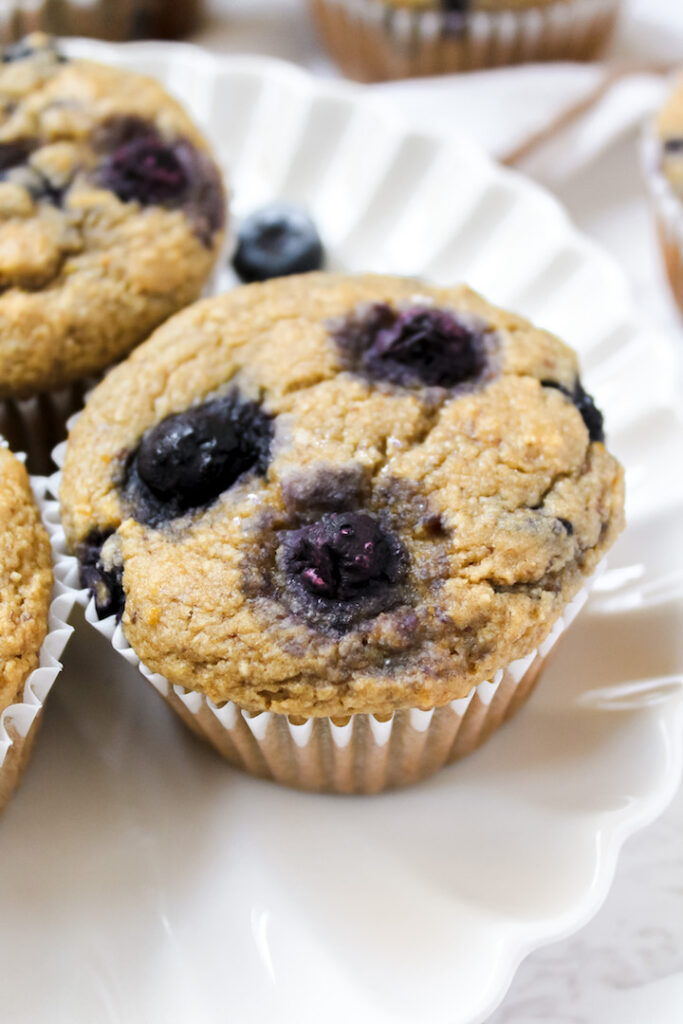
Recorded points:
(626, 966)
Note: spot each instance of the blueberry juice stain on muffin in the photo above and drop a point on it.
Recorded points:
(139, 165)
(414, 346)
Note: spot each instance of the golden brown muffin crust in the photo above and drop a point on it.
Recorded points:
(85, 275)
(25, 579)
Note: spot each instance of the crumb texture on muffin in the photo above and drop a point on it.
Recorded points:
(111, 214)
(25, 579)
(390, 541)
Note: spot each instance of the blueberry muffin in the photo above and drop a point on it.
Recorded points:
(373, 40)
(344, 500)
(329, 496)
(663, 153)
(123, 19)
(111, 215)
(25, 590)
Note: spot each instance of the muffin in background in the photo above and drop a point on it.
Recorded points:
(377, 40)
(112, 215)
(117, 20)
(663, 167)
(345, 569)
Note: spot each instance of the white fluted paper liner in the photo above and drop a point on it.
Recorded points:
(668, 210)
(19, 722)
(364, 754)
(373, 40)
(35, 425)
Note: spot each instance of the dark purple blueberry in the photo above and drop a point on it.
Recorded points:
(189, 459)
(106, 585)
(15, 153)
(343, 567)
(417, 346)
(139, 165)
(590, 413)
(145, 169)
(341, 555)
(673, 145)
(276, 241)
(455, 12)
(566, 525)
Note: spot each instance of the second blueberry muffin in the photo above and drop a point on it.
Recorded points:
(111, 215)
(335, 497)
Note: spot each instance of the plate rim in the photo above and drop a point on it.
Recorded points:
(610, 836)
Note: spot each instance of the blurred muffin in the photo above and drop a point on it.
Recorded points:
(112, 215)
(374, 40)
(105, 19)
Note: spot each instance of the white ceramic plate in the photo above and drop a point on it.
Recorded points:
(144, 881)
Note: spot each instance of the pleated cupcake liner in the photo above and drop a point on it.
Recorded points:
(363, 753)
(19, 722)
(667, 207)
(35, 425)
(372, 40)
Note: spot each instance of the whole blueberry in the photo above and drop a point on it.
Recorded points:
(591, 415)
(146, 169)
(425, 346)
(277, 240)
(189, 459)
(343, 556)
(105, 584)
(420, 345)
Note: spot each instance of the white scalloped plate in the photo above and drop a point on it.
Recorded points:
(145, 881)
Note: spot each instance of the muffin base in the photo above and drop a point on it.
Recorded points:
(371, 42)
(19, 722)
(363, 756)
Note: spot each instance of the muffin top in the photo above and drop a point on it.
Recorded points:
(326, 495)
(25, 579)
(111, 214)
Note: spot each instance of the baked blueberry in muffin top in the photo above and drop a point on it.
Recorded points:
(111, 214)
(326, 495)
